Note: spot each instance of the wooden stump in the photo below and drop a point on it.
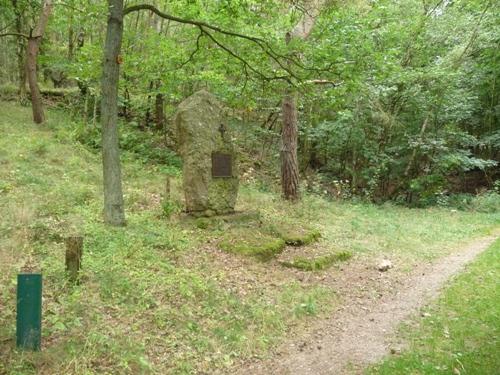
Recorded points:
(167, 188)
(74, 251)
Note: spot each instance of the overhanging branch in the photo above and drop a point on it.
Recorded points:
(205, 28)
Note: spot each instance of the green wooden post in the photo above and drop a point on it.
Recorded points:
(29, 311)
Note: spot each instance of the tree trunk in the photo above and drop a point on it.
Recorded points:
(289, 163)
(113, 197)
(34, 41)
(20, 51)
(289, 160)
(71, 42)
(159, 112)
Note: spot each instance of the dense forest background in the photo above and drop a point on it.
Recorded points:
(396, 100)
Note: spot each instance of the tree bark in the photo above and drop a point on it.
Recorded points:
(289, 162)
(289, 135)
(34, 41)
(20, 51)
(113, 197)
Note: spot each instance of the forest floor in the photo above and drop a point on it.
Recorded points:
(363, 330)
(159, 295)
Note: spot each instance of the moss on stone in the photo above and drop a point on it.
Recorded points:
(202, 223)
(294, 235)
(252, 243)
(318, 263)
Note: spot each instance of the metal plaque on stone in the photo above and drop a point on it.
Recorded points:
(222, 165)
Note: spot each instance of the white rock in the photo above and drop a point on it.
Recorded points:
(384, 265)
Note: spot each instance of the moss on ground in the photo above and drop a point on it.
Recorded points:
(257, 244)
(237, 219)
(318, 263)
(294, 234)
(243, 218)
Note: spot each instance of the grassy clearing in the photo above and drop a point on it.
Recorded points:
(461, 333)
(368, 229)
(139, 308)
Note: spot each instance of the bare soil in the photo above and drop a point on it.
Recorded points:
(363, 329)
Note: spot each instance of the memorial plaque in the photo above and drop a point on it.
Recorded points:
(221, 165)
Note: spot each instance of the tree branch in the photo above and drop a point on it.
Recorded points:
(205, 27)
(15, 34)
(195, 51)
(161, 14)
(245, 63)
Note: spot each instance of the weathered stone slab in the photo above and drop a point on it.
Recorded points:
(210, 166)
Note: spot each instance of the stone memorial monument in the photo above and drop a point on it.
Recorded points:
(210, 170)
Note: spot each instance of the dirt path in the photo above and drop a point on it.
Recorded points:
(363, 331)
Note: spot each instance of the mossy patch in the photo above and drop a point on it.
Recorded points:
(237, 219)
(252, 243)
(203, 223)
(242, 218)
(295, 235)
(318, 263)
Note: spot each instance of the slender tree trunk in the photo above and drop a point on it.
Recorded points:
(94, 112)
(147, 117)
(413, 156)
(20, 51)
(34, 41)
(289, 162)
(71, 42)
(86, 108)
(159, 112)
(113, 197)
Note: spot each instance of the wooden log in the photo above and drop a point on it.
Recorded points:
(74, 252)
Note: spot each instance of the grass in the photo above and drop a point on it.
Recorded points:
(460, 334)
(150, 299)
(393, 231)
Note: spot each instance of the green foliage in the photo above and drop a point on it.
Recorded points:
(407, 68)
(393, 67)
(143, 146)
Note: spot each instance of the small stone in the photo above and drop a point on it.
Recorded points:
(395, 351)
(384, 265)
